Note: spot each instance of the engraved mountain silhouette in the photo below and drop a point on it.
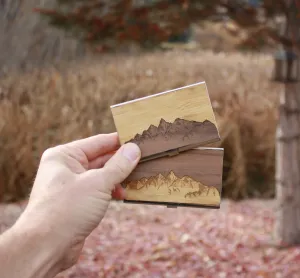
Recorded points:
(171, 188)
(167, 136)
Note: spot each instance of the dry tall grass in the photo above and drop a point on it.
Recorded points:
(45, 108)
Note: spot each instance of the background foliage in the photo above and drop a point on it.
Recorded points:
(110, 23)
(49, 107)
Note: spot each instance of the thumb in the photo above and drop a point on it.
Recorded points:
(121, 164)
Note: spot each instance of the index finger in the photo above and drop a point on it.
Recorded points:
(97, 145)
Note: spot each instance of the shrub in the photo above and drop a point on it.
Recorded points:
(48, 107)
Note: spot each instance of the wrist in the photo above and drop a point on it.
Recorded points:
(27, 250)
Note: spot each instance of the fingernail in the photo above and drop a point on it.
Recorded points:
(131, 151)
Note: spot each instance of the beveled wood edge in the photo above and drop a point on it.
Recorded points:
(172, 205)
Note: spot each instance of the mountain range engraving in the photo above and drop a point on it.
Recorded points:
(171, 188)
(167, 135)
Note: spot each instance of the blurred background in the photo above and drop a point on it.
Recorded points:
(64, 62)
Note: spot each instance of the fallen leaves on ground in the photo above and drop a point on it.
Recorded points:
(152, 241)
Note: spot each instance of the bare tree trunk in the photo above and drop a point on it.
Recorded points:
(288, 147)
(27, 40)
(288, 166)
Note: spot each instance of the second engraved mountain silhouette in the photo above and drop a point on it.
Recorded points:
(167, 136)
(172, 189)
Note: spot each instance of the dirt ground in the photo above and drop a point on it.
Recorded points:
(153, 241)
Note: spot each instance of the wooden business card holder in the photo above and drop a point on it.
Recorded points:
(169, 127)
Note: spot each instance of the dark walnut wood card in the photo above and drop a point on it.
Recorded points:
(167, 122)
(192, 178)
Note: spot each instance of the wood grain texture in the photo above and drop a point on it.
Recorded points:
(167, 120)
(193, 177)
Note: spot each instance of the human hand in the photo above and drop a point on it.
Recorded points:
(72, 191)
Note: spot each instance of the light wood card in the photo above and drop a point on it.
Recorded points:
(192, 178)
(175, 120)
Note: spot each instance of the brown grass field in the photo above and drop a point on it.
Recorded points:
(48, 107)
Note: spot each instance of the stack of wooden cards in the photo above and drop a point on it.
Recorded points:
(171, 129)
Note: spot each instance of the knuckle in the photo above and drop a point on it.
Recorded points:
(122, 169)
(50, 153)
(47, 153)
(118, 170)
